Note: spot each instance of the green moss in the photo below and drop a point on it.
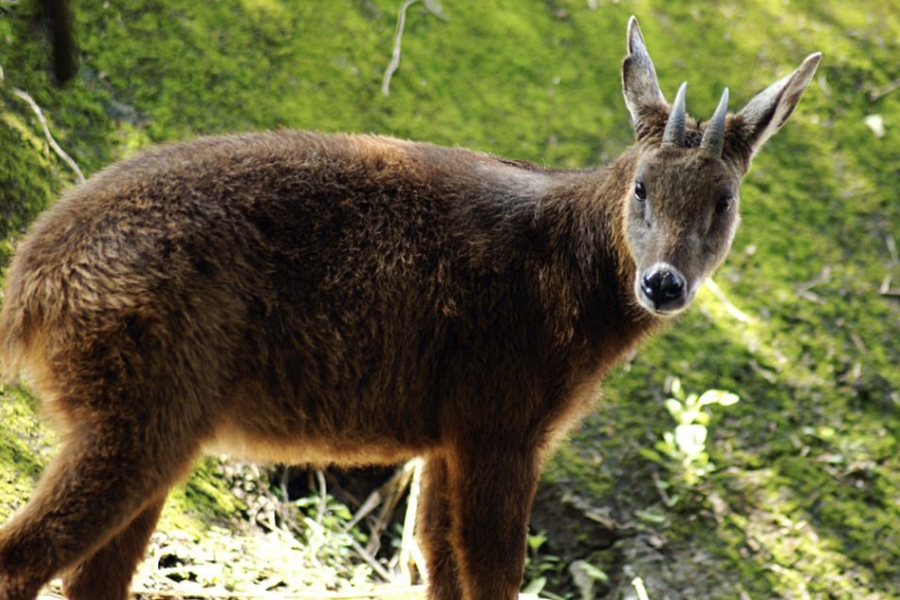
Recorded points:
(805, 499)
(25, 447)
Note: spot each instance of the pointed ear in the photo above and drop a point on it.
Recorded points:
(639, 83)
(767, 112)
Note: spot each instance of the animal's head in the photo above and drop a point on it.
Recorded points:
(682, 206)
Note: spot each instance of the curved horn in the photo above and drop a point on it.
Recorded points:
(713, 141)
(673, 137)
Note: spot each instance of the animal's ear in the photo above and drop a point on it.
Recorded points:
(639, 83)
(767, 112)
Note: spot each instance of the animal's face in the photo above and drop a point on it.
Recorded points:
(680, 218)
(681, 206)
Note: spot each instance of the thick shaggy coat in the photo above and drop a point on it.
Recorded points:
(352, 300)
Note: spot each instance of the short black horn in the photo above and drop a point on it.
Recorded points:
(713, 141)
(673, 137)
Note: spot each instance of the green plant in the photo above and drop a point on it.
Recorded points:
(683, 450)
(541, 566)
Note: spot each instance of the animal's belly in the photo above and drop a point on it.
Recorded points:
(339, 450)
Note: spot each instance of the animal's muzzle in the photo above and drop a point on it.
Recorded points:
(664, 287)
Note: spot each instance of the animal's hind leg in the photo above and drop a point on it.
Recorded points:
(99, 483)
(106, 575)
(435, 526)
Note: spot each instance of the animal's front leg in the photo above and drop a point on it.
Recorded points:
(435, 526)
(492, 486)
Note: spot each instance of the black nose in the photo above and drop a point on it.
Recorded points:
(663, 286)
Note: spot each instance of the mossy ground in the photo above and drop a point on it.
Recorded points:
(806, 500)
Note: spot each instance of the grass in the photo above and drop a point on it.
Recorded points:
(806, 497)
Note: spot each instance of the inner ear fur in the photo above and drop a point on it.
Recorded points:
(770, 108)
(640, 85)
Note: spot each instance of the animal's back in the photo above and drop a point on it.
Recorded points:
(306, 283)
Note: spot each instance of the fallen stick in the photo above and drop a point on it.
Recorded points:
(56, 147)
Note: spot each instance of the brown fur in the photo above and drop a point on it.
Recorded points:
(332, 299)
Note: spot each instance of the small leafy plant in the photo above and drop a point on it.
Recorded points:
(539, 565)
(683, 450)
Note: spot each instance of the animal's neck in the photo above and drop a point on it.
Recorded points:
(584, 213)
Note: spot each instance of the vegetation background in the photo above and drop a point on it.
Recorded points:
(803, 500)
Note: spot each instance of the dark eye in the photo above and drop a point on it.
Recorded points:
(723, 205)
(639, 192)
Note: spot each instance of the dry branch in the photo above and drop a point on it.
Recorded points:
(410, 553)
(892, 249)
(885, 288)
(56, 147)
(371, 561)
(391, 491)
(434, 9)
(323, 496)
(730, 308)
(884, 91)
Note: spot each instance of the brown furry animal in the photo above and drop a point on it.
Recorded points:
(353, 300)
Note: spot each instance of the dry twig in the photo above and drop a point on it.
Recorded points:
(764, 373)
(391, 491)
(660, 488)
(885, 289)
(730, 308)
(804, 290)
(892, 249)
(884, 91)
(368, 505)
(371, 561)
(323, 496)
(434, 9)
(410, 553)
(56, 148)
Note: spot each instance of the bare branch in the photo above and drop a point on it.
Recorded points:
(392, 491)
(56, 147)
(884, 91)
(323, 496)
(730, 308)
(392, 67)
(764, 373)
(370, 560)
(892, 249)
(410, 553)
(370, 504)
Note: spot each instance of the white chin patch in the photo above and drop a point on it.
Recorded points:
(660, 312)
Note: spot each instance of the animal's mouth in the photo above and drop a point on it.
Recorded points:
(665, 312)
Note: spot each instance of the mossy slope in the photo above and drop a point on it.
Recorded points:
(807, 498)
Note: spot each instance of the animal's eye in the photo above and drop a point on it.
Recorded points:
(723, 205)
(639, 191)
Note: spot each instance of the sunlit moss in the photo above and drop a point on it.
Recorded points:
(805, 500)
